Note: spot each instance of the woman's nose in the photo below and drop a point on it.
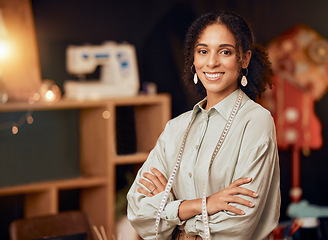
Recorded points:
(213, 60)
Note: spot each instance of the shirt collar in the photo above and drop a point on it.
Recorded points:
(224, 107)
(198, 107)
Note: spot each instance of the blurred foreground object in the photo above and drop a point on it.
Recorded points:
(64, 225)
(300, 56)
(304, 209)
(299, 59)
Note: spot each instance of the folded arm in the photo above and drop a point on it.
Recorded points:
(143, 205)
(261, 164)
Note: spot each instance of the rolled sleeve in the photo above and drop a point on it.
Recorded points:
(171, 212)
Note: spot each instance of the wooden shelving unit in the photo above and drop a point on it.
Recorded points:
(98, 154)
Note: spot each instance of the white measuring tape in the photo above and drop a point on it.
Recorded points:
(177, 165)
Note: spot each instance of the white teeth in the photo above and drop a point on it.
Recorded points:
(214, 75)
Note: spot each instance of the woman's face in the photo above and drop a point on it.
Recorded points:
(215, 61)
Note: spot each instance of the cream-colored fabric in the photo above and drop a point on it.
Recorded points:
(249, 150)
(182, 235)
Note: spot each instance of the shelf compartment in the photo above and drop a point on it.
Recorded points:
(139, 157)
(74, 183)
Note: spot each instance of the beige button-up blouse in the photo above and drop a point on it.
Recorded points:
(249, 150)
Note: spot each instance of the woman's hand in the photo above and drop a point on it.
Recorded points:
(220, 200)
(156, 182)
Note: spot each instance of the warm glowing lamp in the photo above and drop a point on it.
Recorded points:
(4, 46)
(3, 54)
(4, 49)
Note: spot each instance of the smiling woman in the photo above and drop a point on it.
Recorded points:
(214, 172)
(259, 71)
(216, 63)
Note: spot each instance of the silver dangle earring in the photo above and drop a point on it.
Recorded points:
(195, 78)
(195, 74)
(244, 79)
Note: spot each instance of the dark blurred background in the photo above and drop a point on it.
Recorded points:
(157, 29)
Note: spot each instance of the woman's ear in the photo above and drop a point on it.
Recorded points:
(246, 58)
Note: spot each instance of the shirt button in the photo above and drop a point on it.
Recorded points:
(190, 174)
(197, 146)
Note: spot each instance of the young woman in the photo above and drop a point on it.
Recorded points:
(214, 172)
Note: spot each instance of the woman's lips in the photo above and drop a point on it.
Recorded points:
(213, 76)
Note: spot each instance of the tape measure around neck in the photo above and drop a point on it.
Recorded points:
(177, 165)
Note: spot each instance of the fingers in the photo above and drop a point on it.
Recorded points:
(161, 187)
(159, 175)
(234, 210)
(241, 201)
(154, 182)
(143, 191)
(234, 188)
(241, 181)
(242, 191)
(223, 200)
(147, 184)
(232, 194)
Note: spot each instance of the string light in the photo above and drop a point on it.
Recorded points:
(29, 119)
(106, 114)
(48, 92)
(14, 126)
(50, 95)
(14, 129)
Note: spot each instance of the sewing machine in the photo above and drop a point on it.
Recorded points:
(118, 71)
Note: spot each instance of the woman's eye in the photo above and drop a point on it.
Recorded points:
(202, 51)
(225, 52)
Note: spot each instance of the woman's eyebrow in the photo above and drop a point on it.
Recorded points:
(221, 45)
(227, 45)
(201, 45)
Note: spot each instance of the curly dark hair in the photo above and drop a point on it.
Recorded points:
(259, 69)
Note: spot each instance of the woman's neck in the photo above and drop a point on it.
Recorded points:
(215, 98)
